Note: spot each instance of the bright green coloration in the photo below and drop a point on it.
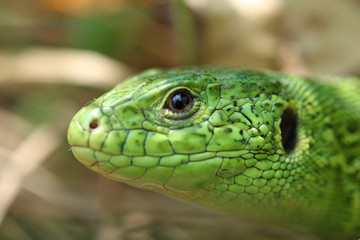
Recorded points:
(227, 151)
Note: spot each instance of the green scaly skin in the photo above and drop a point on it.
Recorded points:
(227, 151)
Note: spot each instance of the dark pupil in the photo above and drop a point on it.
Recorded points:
(180, 101)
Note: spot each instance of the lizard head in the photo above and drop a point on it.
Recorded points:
(196, 134)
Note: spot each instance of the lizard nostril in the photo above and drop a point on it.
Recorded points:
(94, 124)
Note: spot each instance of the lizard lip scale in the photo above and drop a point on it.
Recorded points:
(264, 146)
(81, 154)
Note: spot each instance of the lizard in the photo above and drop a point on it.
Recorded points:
(268, 146)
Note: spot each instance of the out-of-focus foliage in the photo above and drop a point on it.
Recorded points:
(57, 55)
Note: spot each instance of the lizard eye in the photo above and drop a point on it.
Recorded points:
(288, 128)
(180, 101)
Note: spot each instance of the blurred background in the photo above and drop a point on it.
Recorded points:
(57, 55)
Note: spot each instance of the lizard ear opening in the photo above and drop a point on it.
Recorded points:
(288, 126)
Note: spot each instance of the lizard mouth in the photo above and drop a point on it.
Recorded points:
(100, 161)
(150, 172)
(118, 167)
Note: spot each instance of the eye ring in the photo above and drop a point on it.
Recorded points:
(180, 101)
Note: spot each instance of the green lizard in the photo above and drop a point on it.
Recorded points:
(266, 146)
